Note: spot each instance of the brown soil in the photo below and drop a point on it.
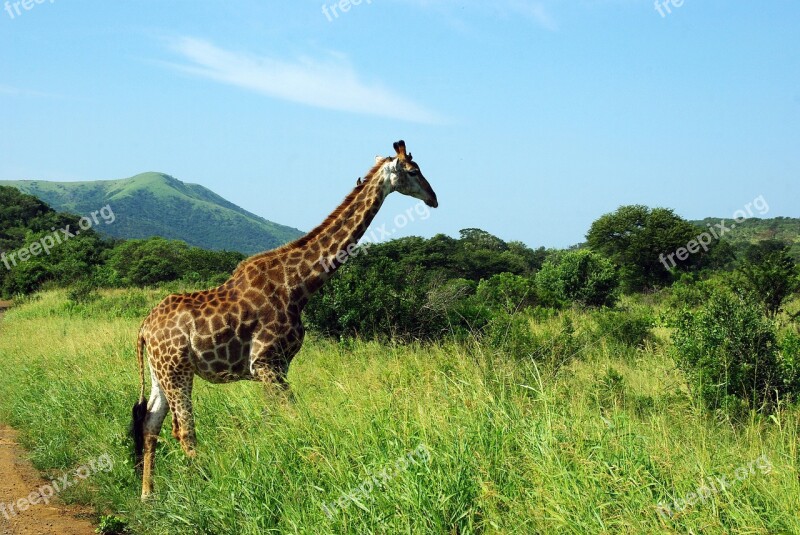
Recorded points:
(18, 479)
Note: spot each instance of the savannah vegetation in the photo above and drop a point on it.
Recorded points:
(587, 390)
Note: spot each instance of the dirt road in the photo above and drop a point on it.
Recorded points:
(18, 479)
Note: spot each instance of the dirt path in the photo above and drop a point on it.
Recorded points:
(18, 479)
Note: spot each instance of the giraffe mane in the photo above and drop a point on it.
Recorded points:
(316, 231)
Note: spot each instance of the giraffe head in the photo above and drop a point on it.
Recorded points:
(405, 176)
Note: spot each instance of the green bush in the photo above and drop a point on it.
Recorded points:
(83, 291)
(581, 277)
(455, 305)
(729, 351)
(507, 292)
(111, 525)
(376, 300)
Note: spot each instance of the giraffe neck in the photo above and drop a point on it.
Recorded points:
(333, 242)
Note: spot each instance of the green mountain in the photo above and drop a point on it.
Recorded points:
(155, 204)
(754, 230)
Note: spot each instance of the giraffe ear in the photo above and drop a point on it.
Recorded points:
(400, 149)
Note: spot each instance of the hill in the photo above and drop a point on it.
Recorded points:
(754, 230)
(155, 204)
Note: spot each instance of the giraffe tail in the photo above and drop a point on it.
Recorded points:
(140, 347)
(139, 410)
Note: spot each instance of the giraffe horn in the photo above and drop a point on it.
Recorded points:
(400, 149)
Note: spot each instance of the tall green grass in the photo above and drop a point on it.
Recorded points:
(592, 445)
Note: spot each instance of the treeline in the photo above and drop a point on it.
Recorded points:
(418, 288)
(41, 248)
(426, 288)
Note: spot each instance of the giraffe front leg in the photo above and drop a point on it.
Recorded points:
(270, 356)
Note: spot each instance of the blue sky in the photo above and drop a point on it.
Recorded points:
(530, 118)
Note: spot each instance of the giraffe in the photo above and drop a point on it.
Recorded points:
(250, 327)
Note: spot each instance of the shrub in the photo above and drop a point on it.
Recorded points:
(728, 350)
(83, 291)
(580, 276)
(375, 301)
(454, 305)
(111, 525)
(507, 292)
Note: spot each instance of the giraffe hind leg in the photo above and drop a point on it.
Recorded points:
(157, 408)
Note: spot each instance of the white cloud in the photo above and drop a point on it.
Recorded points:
(331, 83)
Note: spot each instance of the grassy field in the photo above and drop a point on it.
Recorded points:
(452, 438)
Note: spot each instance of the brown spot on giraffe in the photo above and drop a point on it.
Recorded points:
(250, 328)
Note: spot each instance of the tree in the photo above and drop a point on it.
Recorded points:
(643, 242)
(39, 245)
(770, 273)
(150, 261)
